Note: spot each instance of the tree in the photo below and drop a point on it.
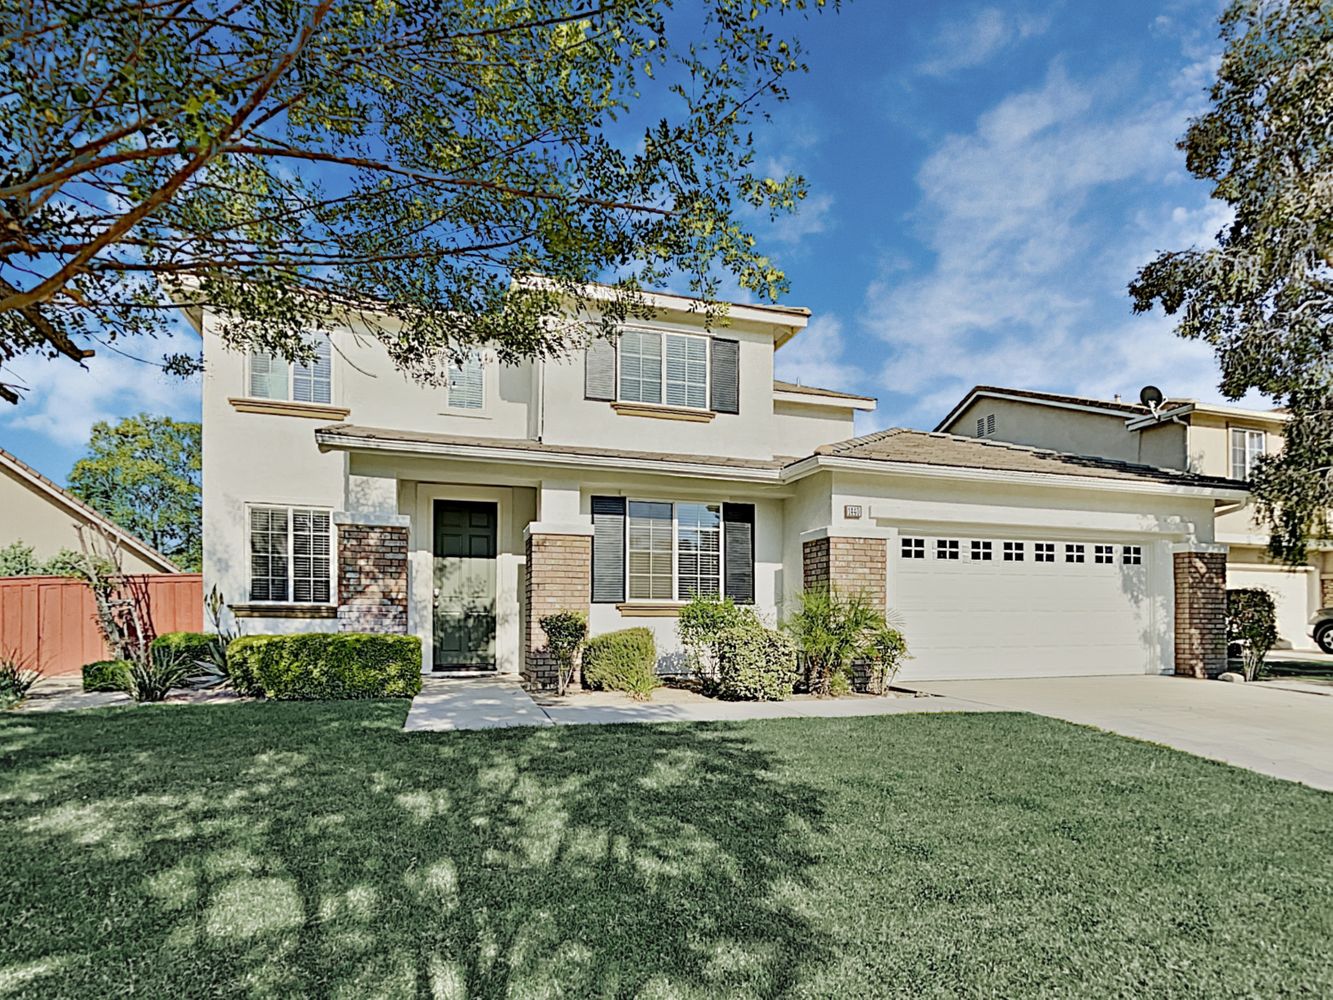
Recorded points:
(143, 473)
(294, 164)
(1263, 298)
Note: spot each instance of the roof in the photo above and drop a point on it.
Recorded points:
(889, 447)
(351, 434)
(898, 445)
(810, 390)
(1111, 406)
(62, 496)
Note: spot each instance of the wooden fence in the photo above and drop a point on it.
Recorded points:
(51, 621)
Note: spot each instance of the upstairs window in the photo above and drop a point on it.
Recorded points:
(467, 384)
(1246, 447)
(274, 377)
(681, 381)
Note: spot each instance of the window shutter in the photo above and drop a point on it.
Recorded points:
(726, 388)
(738, 546)
(599, 370)
(608, 550)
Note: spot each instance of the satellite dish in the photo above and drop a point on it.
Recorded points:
(1151, 397)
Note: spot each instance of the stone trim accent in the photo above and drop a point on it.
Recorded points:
(287, 408)
(558, 577)
(849, 566)
(372, 578)
(1201, 612)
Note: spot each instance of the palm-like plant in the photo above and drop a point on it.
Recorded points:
(834, 631)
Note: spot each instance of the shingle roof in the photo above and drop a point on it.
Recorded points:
(933, 448)
(810, 390)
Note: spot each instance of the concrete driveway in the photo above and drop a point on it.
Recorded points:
(1284, 733)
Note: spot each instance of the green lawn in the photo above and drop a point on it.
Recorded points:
(316, 850)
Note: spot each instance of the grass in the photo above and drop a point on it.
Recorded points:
(316, 850)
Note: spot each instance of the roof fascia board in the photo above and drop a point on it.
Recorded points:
(834, 402)
(959, 473)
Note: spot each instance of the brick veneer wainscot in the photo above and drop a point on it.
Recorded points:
(1326, 591)
(558, 578)
(372, 578)
(851, 566)
(1201, 613)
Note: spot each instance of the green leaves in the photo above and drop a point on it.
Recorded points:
(1264, 297)
(499, 116)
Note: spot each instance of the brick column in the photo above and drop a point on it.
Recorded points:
(558, 578)
(1201, 610)
(849, 566)
(1326, 591)
(372, 578)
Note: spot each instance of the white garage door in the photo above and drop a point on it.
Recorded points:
(1294, 593)
(1023, 607)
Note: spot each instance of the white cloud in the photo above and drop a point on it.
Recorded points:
(816, 357)
(65, 400)
(979, 37)
(1035, 222)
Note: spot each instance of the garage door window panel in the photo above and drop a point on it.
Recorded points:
(947, 549)
(914, 548)
(1013, 551)
(1074, 553)
(1044, 552)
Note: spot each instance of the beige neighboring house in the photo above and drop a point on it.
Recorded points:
(38, 513)
(627, 476)
(1205, 438)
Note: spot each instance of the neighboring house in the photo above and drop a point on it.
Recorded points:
(626, 477)
(38, 513)
(1203, 438)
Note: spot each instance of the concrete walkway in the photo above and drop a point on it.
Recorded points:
(453, 703)
(1284, 733)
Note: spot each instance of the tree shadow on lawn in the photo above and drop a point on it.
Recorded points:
(281, 849)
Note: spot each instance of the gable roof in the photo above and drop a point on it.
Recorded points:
(62, 497)
(909, 447)
(1111, 407)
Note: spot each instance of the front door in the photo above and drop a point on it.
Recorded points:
(464, 584)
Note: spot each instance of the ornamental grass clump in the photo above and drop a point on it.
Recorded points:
(565, 632)
(17, 676)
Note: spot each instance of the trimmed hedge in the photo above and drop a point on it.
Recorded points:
(106, 675)
(184, 647)
(754, 663)
(622, 661)
(326, 666)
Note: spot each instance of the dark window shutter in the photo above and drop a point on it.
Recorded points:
(726, 388)
(608, 550)
(738, 548)
(599, 370)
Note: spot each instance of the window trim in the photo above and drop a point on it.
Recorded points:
(291, 506)
(290, 398)
(1249, 434)
(675, 600)
(662, 372)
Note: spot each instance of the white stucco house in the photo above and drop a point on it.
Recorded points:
(1207, 438)
(623, 478)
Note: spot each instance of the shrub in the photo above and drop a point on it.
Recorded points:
(107, 675)
(700, 623)
(889, 649)
(1252, 622)
(565, 632)
(835, 631)
(622, 661)
(326, 666)
(754, 663)
(16, 678)
(151, 678)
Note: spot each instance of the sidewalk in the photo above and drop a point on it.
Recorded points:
(455, 703)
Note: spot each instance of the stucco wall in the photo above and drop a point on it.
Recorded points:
(1041, 426)
(38, 520)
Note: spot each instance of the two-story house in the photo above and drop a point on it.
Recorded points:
(626, 477)
(1205, 438)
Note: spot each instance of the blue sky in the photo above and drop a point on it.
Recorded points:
(985, 181)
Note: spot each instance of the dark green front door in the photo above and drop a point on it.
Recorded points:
(464, 584)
